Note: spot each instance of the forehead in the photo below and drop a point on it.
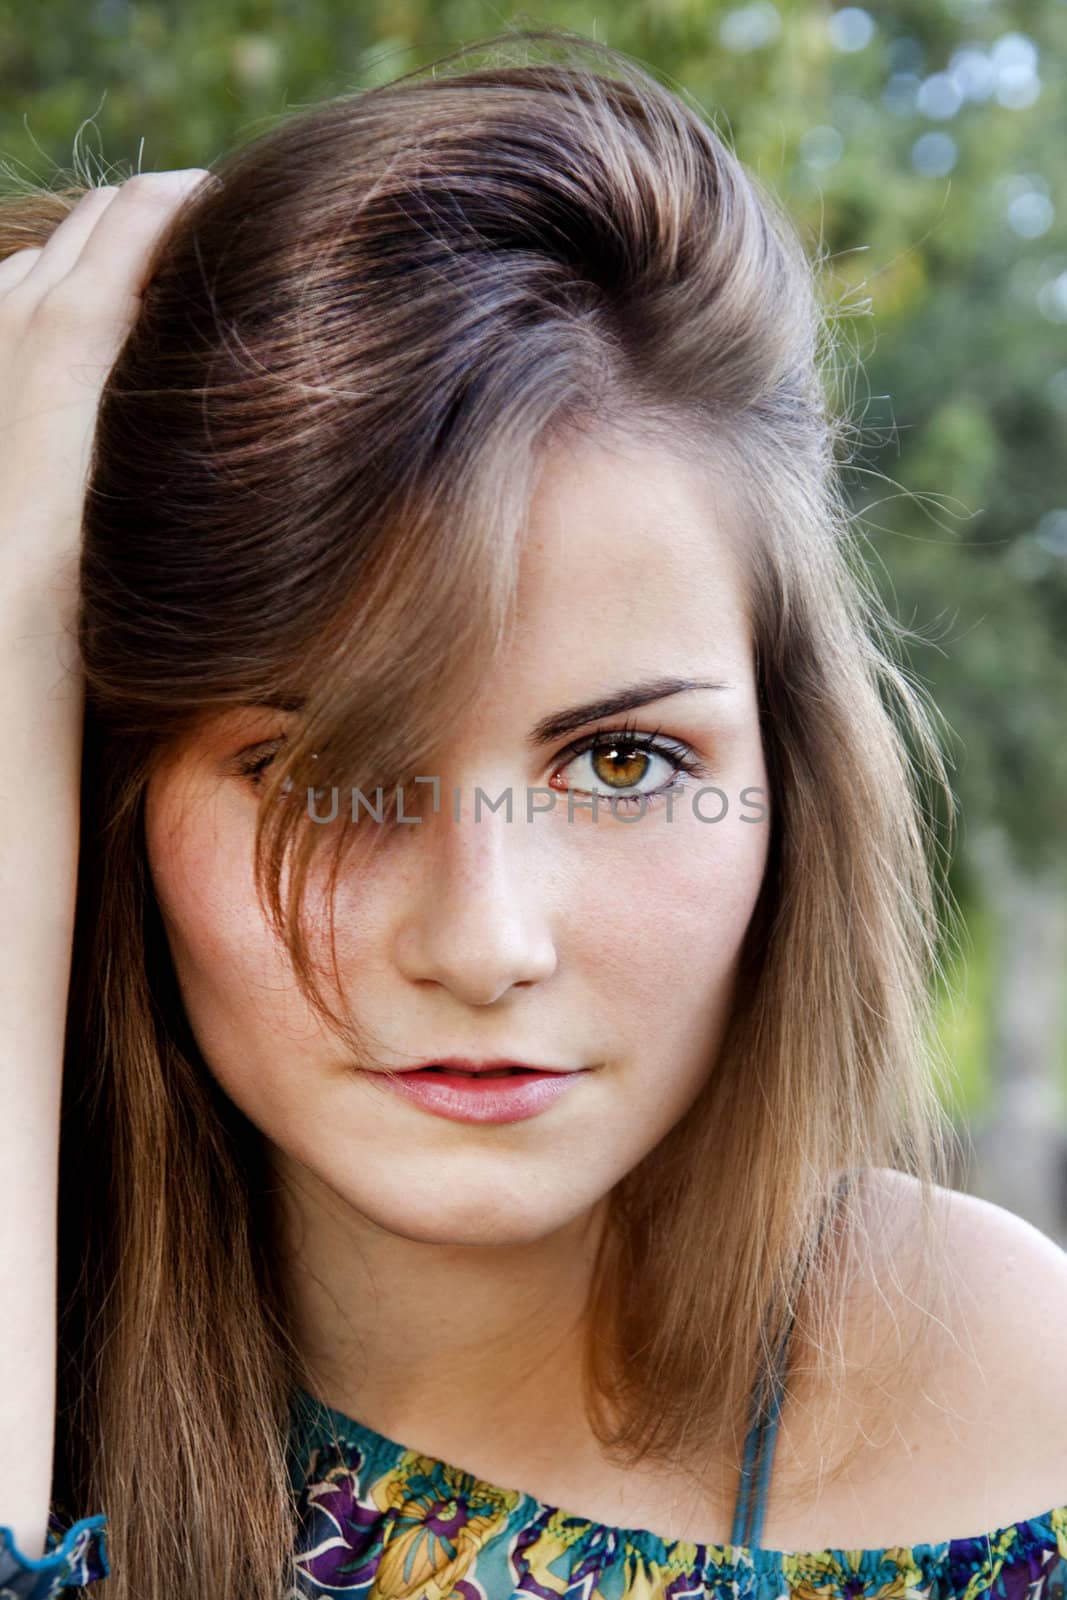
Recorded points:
(629, 542)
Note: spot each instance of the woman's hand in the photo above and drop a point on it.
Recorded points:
(66, 309)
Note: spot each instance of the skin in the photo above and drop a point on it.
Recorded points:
(438, 1268)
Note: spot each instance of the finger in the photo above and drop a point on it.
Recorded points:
(63, 247)
(121, 243)
(14, 267)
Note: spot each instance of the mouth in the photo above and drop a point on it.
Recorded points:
(453, 1067)
(490, 1091)
(489, 1072)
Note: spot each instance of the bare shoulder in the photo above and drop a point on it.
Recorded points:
(1005, 1301)
(970, 1433)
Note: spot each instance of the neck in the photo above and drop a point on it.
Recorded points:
(442, 1346)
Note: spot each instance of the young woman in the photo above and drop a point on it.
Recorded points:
(470, 912)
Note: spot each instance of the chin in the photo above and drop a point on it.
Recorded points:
(484, 1220)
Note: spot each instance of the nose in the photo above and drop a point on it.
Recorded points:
(475, 923)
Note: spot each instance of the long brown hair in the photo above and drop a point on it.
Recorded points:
(311, 470)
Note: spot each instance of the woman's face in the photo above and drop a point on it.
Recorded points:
(607, 947)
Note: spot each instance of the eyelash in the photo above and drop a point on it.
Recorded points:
(628, 737)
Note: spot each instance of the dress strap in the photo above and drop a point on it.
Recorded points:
(763, 1432)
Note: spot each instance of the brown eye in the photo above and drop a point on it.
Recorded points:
(621, 758)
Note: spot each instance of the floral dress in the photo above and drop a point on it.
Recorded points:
(383, 1522)
(379, 1521)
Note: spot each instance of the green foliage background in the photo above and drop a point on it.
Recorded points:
(948, 263)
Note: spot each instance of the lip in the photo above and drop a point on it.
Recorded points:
(463, 1064)
(479, 1099)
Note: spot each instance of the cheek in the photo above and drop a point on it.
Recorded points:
(661, 919)
(657, 945)
(234, 977)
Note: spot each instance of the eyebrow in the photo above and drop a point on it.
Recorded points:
(629, 698)
(558, 723)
